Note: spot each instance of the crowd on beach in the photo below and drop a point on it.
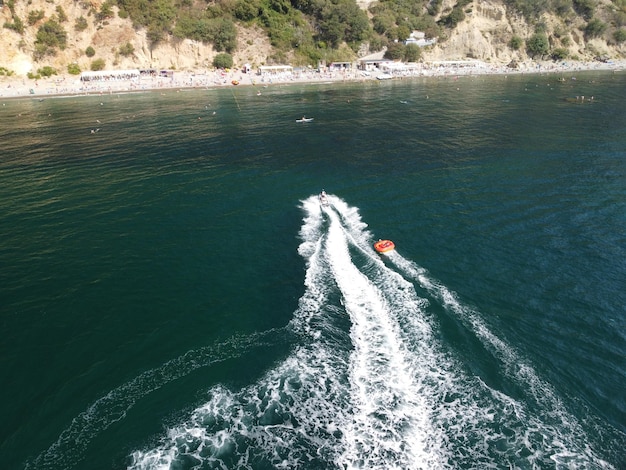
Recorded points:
(16, 87)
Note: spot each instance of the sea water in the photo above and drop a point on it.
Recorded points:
(172, 294)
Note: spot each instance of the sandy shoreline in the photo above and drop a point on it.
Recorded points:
(70, 85)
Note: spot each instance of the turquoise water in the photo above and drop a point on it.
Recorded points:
(173, 296)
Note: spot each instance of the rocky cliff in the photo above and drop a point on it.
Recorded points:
(484, 34)
(488, 27)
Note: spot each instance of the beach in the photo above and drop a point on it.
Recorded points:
(69, 85)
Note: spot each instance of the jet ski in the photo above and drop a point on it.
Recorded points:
(323, 198)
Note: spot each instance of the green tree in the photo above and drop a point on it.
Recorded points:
(412, 53)
(80, 24)
(559, 54)
(339, 21)
(73, 69)
(154, 34)
(384, 23)
(620, 35)
(34, 16)
(562, 7)
(47, 71)
(105, 12)
(516, 43)
(538, 45)
(223, 61)
(357, 26)
(127, 49)
(429, 26)
(52, 34)
(5, 71)
(586, 8)
(90, 51)
(246, 10)
(434, 7)
(530, 9)
(280, 6)
(395, 51)
(221, 32)
(377, 42)
(331, 30)
(49, 36)
(455, 17)
(157, 16)
(17, 25)
(224, 35)
(98, 64)
(41, 50)
(402, 33)
(61, 16)
(595, 28)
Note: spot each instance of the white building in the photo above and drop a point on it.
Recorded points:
(275, 70)
(419, 39)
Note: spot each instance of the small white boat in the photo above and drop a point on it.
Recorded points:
(384, 76)
(304, 119)
(323, 198)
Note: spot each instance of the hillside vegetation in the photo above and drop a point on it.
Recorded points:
(42, 36)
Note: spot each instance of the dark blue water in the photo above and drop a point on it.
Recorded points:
(172, 295)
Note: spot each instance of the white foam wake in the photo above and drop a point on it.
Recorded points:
(294, 416)
(390, 426)
(371, 383)
(69, 448)
(347, 396)
(553, 433)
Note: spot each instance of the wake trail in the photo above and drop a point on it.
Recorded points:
(295, 414)
(562, 435)
(370, 382)
(346, 397)
(390, 426)
(69, 448)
